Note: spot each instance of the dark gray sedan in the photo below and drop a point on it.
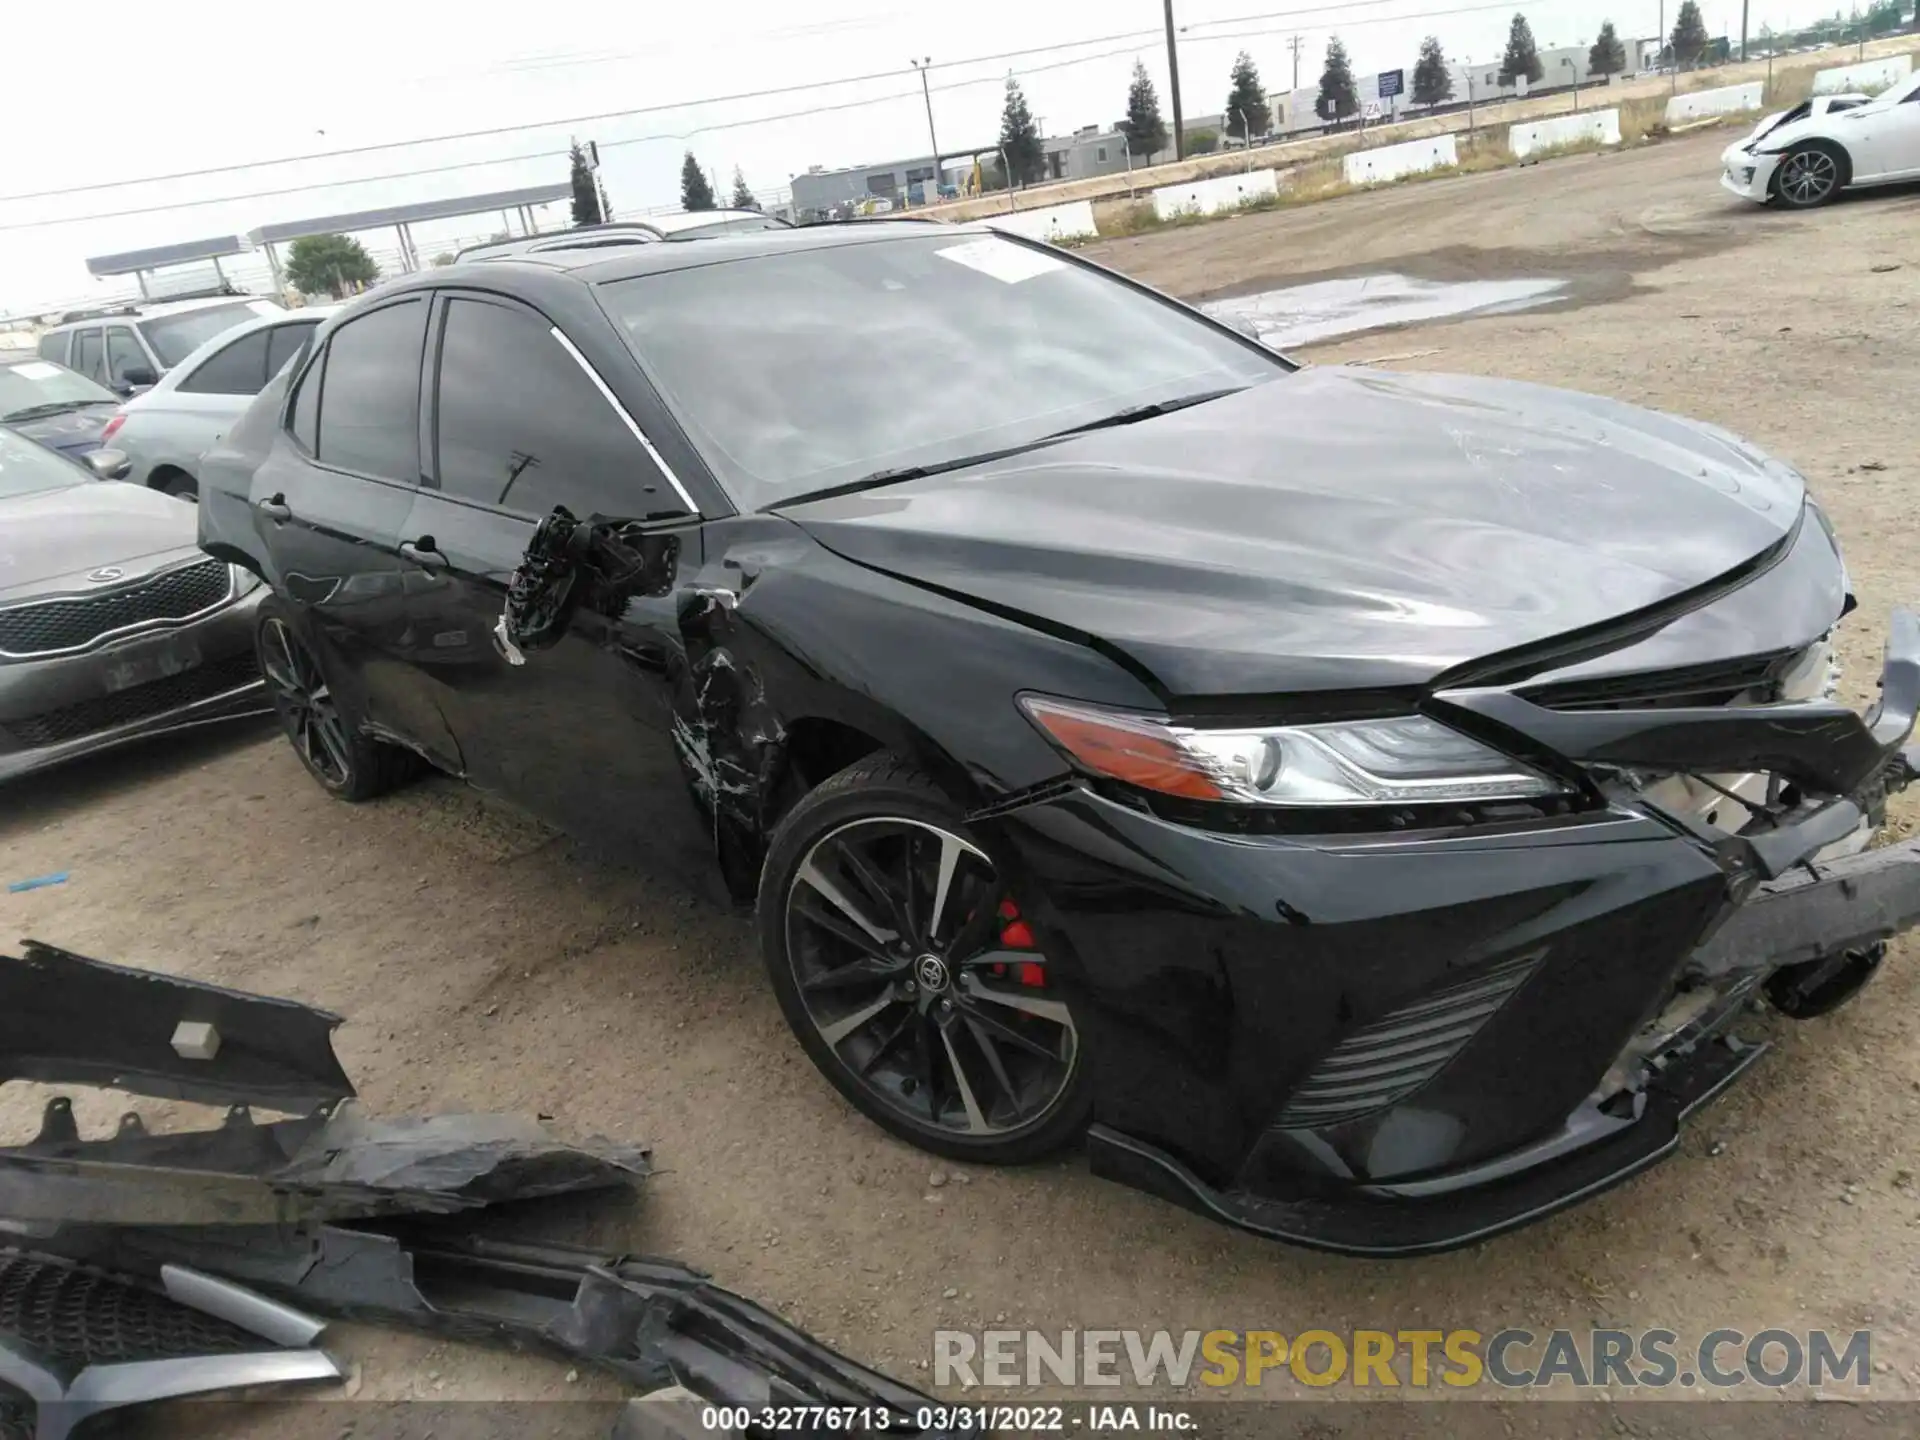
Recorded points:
(113, 625)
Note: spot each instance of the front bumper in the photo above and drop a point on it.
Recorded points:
(1748, 175)
(1405, 1043)
(62, 708)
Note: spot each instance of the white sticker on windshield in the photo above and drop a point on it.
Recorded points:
(36, 370)
(1003, 260)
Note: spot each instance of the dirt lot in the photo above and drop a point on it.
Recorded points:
(484, 964)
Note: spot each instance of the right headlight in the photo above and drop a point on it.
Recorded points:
(1401, 760)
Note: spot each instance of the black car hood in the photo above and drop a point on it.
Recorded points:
(1334, 529)
(51, 539)
(73, 432)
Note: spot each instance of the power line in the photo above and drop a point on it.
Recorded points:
(574, 120)
(681, 135)
(551, 154)
(284, 190)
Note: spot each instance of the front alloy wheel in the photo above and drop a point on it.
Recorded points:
(909, 975)
(1809, 176)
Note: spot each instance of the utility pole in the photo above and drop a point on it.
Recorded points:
(1173, 90)
(1293, 44)
(932, 139)
(1743, 32)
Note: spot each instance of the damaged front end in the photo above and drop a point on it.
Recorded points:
(1496, 1020)
(141, 1265)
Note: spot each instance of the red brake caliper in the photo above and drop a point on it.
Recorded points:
(1016, 935)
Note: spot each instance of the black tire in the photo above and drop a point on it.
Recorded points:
(1811, 174)
(348, 764)
(981, 1063)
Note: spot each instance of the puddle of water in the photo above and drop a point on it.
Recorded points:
(1306, 313)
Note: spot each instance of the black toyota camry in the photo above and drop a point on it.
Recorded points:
(1361, 803)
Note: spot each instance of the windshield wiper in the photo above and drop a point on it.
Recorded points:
(51, 407)
(906, 472)
(916, 472)
(1135, 413)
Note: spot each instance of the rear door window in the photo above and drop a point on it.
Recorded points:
(522, 427)
(124, 354)
(370, 398)
(239, 369)
(54, 347)
(88, 357)
(286, 341)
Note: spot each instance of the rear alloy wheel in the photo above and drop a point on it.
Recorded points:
(1809, 175)
(906, 971)
(181, 486)
(348, 764)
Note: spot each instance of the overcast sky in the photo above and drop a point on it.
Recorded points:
(157, 88)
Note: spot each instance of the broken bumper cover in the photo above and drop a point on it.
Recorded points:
(1390, 1044)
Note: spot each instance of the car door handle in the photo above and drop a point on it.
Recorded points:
(423, 553)
(276, 509)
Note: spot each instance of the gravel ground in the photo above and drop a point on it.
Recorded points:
(485, 963)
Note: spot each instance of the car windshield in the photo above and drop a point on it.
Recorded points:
(174, 337)
(26, 468)
(799, 371)
(39, 387)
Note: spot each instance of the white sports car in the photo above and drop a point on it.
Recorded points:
(1811, 153)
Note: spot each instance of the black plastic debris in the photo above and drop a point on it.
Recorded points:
(185, 1250)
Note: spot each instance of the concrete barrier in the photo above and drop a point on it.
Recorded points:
(1727, 100)
(1209, 197)
(1872, 76)
(1593, 127)
(1073, 221)
(1390, 162)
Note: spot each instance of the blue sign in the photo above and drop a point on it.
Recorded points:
(1392, 83)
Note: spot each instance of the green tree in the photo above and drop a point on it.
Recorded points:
(1248, 113)
(695, 192)
(335, 265)
(742, 196)
(1523, 56)
(1202, 142)
(586, 194)
(1337, 98)
(1689, 38)
(1146, 132)
(1432, 77)
(1019, 136)
(1608, 55)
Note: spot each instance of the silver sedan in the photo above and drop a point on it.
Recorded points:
(113, 625)
(164, 431)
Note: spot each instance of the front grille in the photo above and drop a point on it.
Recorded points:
(1386, 1061)
(52, 627)
(87, 1319)
(137, 702)
(1719, 683)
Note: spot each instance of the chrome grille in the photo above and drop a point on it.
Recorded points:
(56, 627)
(1389, 1059)
(86, 1319)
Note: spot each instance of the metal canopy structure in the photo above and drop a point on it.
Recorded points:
(139, 263)
(400, 217)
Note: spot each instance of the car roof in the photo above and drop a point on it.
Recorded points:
(148, 311)
(598, 266)
(615, 233)
(191, 361)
